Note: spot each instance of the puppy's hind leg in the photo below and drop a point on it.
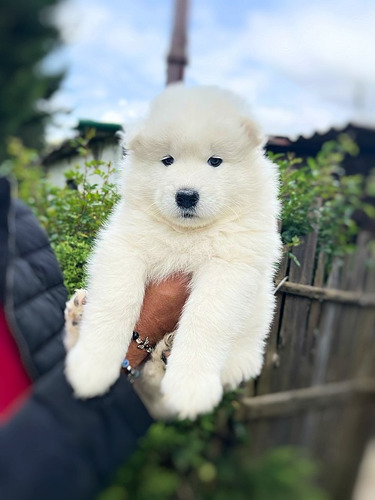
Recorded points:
(148, 386)
(245, 359)
(73, 316)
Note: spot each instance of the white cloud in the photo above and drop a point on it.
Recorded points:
(112, 40)
(126, 112)
(303, 66)
(327, 46)
(78, 23)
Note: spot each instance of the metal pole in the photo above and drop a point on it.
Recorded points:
(177, 58)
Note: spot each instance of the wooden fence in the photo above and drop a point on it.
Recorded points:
(317, 388)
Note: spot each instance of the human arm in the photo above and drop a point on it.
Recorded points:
(162, 306)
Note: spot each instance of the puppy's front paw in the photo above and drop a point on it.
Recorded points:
(189, 396)
(90, 375)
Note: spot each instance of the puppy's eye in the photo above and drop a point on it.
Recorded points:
(167, 160)
(214, 161)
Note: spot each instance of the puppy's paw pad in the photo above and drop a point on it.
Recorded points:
(73, 316)
(153, 371)
(89, 375)
(74, 308)
(168, 339)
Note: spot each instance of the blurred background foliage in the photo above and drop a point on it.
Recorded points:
(317, 193)
(26, 38)
(207, 459)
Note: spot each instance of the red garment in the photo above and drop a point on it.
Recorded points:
(14, 380)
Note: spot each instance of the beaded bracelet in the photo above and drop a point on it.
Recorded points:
(131, 373)
(142, 344)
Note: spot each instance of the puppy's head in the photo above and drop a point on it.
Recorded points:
(193, 159)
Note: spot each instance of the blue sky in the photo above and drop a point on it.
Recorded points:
(303, 67)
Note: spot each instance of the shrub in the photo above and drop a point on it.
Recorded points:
(71, 217)
(318, 194)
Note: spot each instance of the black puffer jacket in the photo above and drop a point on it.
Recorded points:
(56, 446)
(36, 294)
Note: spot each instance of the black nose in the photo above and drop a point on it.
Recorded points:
(187, 198)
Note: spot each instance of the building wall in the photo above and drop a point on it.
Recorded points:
(111, 152)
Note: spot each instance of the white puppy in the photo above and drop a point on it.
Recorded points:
(199, 197)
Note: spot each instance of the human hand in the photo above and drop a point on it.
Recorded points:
(161, 310)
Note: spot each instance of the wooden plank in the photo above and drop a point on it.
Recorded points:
(325, 330)
(281, 404)
(349, 439)
(335, 329)
(295, 322)
(309, 348)
(271, 359)
(294, 319)
(362, 360)
(324, 447)
(355, 274)
(263, 435)
(322, 294)
(323, 345)
(296, 426)
(345, 328)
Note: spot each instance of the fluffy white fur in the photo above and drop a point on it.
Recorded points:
(230, 247)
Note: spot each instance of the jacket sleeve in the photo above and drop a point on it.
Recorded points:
(63, 448)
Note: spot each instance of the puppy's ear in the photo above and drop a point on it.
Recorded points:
(135, 140)
(132, 138)
(254, 132)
